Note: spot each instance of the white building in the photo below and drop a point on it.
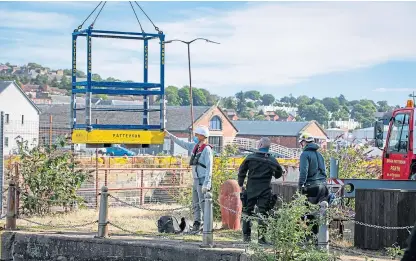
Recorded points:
(21, 116)
(349, 125)
(290, 110)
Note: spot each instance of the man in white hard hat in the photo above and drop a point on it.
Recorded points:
(201, 162)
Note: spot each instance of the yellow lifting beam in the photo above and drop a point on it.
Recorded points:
(96, 136)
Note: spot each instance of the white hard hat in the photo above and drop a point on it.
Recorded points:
(202, 130)
(306, 137)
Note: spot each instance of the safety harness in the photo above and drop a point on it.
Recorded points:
(196, 154)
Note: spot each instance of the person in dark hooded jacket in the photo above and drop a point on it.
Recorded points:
(312, 174)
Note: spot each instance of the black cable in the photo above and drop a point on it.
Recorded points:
(80, 27)
(98, 14)
(156, 28)
(141, 28)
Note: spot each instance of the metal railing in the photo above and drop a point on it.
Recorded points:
(250, 144)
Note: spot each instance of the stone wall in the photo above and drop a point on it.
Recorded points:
(42, 247)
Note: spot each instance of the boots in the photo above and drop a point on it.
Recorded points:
(197, 226)
(247, 230)
(246, 238)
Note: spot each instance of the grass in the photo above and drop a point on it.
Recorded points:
(143, 223)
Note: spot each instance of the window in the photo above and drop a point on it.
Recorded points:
(216, 141)
(215, 123)
(399, 135)
(6, 141)
(7, 118)
(23, 119)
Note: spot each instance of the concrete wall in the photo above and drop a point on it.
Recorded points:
(40, 247)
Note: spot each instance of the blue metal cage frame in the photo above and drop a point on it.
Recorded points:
(117, 88)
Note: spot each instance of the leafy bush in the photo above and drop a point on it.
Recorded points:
(50, 177)
(290, 237)
(354, 163)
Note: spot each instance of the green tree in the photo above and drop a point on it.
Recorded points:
(183, 94)
(241, 103)
(316, 111)
(363, 112)
(267, 99)
(41, 80)
(331, 104)
(25, 80)
(198, 97)
(259, 118)
(50, 177)
(383, 106)
(341, 114)
(250, 105)
(252, 95)
(171, 94)
(229, 103)
(65, 83)
(96, 77)
(54, 83)
(34, 66)
(303, 99)
(282, 114)
(342, 100)
(289, 99)
(111, 79)
(211, 98)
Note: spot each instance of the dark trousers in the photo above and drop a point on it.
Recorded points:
(263, 205)
(315, 194)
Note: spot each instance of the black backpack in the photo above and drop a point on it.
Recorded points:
(169, 224)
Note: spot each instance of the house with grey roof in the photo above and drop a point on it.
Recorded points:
(281, 132)
(20, 117)
(222, 130)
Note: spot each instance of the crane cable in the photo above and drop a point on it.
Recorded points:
(156, 28)
(98, 14)
(134, 11)
(80, 26)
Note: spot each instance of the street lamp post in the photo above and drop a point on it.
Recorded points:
(191, 101)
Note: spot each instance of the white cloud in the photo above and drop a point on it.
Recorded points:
(394, 90)
(262, 45)
(34, 20)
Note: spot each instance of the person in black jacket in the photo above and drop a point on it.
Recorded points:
(410, 252)
(261, 167)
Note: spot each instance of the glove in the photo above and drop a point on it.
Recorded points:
(204, 190)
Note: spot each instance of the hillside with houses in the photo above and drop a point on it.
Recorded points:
(44, 85)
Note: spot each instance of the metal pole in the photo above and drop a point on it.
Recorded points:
(73, 95)
(162, 83)
(103, 214)
(191, 100)
(323, 233)
(50, 131)
(207, 235)
(1, 159)
(11, 207)
(333, 168)
(96, 173)
(145, 80)
(89, 84)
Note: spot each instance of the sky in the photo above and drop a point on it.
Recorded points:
(320, 49)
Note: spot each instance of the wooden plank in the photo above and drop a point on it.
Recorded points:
(383, 207)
